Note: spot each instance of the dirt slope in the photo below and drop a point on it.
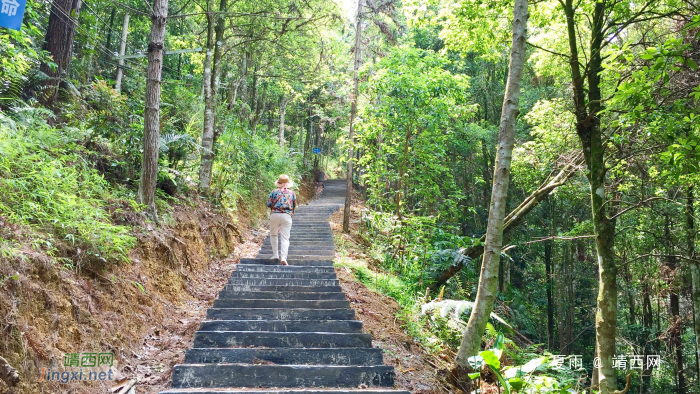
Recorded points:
(144, 312)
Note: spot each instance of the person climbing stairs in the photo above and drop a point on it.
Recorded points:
(286, 329)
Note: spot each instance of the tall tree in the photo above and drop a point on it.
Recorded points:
(592, 144)
(691, 234)
(151, 129)
(283, 109)
(122, 51)
(60, 36)
(353, 113)
(488, 280)
(212, 76)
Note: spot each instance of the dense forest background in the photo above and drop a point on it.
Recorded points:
(247, 90)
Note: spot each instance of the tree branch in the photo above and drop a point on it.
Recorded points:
(547, 50)
(559, 238)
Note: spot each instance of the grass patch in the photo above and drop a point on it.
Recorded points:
(415, 324)
(47, 183)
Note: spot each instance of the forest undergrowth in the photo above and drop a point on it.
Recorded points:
(429, 327)
(83, 270)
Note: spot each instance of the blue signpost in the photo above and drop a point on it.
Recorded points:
(12, 13)
(317, 150)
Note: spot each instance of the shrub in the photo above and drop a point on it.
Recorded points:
(46, 183)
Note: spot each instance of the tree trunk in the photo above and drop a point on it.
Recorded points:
(149, 163)
(317, 143)
(627, 274)
(122, 52)
(353, 113)
(595, 376)
(244, 89)
(562, 299)
(694, 271)
(210, 80)
(259, 104)
(283, 110)
(208, 122)
(252, 100)
(60, 36)
(486, 172)
(674, 334)
(592, 145)
(550, 301)
(488, 281)
(648, 323)
(402, 172)
(309, 133)
(108, 42)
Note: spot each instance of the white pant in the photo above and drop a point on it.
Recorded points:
(280, 223)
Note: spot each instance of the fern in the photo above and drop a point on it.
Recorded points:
(453, 311)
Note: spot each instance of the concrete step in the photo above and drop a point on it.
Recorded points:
(301, 289)
(306, 304)
(325, 262)
(233, 375)
(282, 282)
(279, 295)
(280, 314)
(325, 241)
(280, 268)
(317, 228)
(292, 258)
(286, 356)
(297, 251)
(317, 242)
(284, 391)
(310, 232)
(283, 325)
(243, 339)
(279, 274)
(321, 238)
(297, 246)
(311, 224)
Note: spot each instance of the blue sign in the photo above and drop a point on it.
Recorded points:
(317, 150)
(11, 13)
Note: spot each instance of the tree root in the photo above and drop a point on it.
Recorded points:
(627, 385)
(458, 376)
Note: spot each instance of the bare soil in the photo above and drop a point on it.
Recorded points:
(145, 312)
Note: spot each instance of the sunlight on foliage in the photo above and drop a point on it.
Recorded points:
(46, 183)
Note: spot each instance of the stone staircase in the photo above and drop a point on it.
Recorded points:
(286, 329)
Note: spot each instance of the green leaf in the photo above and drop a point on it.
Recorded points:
(15, 277)
(504, 383)
(516, 384)
(500, 342)
(490, 359)
(140, 286)
(647, 56)
(474, 375)
(530, 366)
(692, 64)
